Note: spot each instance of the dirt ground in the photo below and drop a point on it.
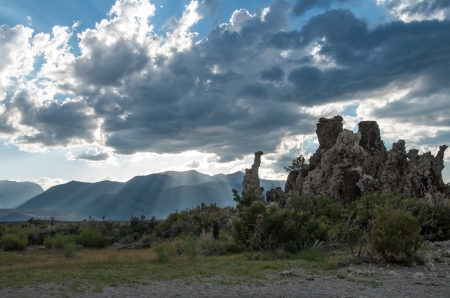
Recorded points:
(364, 280)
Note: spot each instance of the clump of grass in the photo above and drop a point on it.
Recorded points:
(190, 248)
(340, 275)
(113, 258)
(161, 251)
(314, 255)
(69, 249)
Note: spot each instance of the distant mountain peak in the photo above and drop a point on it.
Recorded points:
(14, 194)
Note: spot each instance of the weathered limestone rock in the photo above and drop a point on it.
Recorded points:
(416, 175)
(347, 165)
(372, 143)
(340, 169)
(291, 181)
(327, 132)
(251, 178)
(276, 195)
(394, 167)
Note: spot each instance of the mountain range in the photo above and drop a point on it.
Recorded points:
(152, 195)
(14, 194)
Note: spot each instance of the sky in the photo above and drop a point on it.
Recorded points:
(95, 90)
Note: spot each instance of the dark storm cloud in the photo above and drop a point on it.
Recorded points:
(256, 90)
(273, 74)
(234, 92)
(427, 111)
(185, 105)
(107, 64)
(93, 157)
(442, 137)
(302, 6)
(56, 124)
(6, 127)
(366, 59)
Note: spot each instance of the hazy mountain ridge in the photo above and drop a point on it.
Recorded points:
(14, 194)
(152, 195)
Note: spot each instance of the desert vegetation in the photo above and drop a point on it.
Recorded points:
(314, 232)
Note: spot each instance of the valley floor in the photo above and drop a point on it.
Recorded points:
(364, 281)
(136, 273)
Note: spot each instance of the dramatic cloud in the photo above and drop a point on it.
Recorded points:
(302, 6)
(193, 164)
(92, 155)
(410, 10)
(250, 84)
(16, 58)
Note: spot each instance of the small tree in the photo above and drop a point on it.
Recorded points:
(297, 164)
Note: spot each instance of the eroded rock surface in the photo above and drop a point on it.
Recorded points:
(251, 178)
(347, 165)
(276, 195)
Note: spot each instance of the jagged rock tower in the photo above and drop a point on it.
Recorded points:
(348, 164)
(251, 178)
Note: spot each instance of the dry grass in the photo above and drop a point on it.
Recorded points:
(99, 268)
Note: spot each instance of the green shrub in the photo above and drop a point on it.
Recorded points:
(140, 226)
(191, 222)
(58, 241)
(436, 227)
(69, 249)
(48, 242)
(208, 245)
(309, 219)
(395, 234)
(37, 222)
(91, 238)
(144, 242)
(176, 247)
(11, 242)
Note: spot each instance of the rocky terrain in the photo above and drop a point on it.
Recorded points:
(347, 165)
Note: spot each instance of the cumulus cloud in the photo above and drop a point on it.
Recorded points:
(250, 84)
(193, 164)
(47, 182)
(108, 178)
(17, 59)
(92, 155)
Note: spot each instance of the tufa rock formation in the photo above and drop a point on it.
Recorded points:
(251, 178)
(277, 196)
(348, 164)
